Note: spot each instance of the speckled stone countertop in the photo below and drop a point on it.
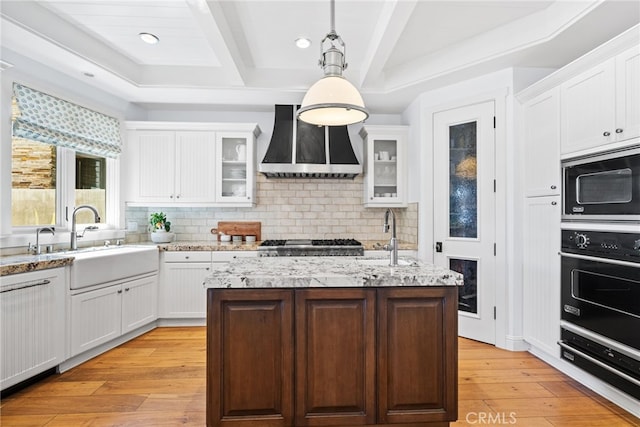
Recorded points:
(369, 245)
(17, 264)
(311, 272)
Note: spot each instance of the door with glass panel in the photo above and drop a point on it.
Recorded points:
(464, 211)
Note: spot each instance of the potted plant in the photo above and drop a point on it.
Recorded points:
(160, 228)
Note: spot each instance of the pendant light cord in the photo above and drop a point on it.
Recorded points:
(333, 16)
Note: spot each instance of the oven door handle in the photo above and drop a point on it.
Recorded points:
(604, 260)
(563, 344)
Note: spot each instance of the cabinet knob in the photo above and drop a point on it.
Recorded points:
(119, 291)
(126, 289)
(186, 257)
(553, 187)
(171, 196)
(619, 130)
(606, 134)
(178, 196)
(207, 269)
(554, 203)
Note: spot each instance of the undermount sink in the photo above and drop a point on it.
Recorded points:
(383, 262)
(93, 266)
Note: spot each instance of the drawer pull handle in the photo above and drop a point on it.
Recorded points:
(619, 130)
(553, 187)
(554, 203)
(606, 134)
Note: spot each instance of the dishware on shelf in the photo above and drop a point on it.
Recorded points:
(384, 155)
(241, 151)
(236, 238)
(250, 238)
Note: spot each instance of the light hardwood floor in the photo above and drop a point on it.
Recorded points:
(158, 379)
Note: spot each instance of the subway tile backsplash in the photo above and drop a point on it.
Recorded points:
(287, 209)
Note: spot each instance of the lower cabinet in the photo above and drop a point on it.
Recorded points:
(32, 324)
(332, 357)
(101, 315)
(541, 274)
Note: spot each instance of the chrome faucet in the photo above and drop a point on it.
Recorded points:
(392, 246)
(74, 235)
(36, 250)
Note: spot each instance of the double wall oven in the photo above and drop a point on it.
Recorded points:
(600, 267)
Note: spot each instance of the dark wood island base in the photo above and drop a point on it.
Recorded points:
(337, 357)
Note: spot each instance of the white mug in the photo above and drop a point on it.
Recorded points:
(241, 150)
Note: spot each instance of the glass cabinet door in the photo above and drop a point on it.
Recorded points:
(385, 171)
(233, 174)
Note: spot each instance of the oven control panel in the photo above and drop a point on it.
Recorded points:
(605, 244)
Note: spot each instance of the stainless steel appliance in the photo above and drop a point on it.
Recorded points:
(600, 293)
(603, 187)
(308, 247)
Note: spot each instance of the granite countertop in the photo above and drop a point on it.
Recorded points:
(25, 263)
(311, 272)
(369, 245)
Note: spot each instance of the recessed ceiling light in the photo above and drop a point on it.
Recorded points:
(303, 42)
(149, 38)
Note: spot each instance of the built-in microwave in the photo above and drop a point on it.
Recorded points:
(603, 187)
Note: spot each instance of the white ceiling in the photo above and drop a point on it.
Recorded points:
(241, 53)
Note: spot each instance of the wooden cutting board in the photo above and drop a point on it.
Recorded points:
(239, 228)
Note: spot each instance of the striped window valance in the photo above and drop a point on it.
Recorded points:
(45, 118)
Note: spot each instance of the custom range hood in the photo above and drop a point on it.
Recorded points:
(299, 149)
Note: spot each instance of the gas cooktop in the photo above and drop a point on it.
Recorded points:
(311, 247)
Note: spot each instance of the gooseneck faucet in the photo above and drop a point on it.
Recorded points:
(74, 234)
(392, 246)
(36, 250)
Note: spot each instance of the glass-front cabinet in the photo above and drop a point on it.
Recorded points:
(385, 166)
(236, 168)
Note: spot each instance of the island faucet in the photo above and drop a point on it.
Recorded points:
(74, 235)
(392, 246)
(36, 250)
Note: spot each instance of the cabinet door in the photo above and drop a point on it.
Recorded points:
(588, 109)
(335, 357)
(235, 176)
(183, 295)
(139, 303)
(155, 165)
(196, 164)
(541, 273)
(32, 324)
(628, 94)
(542, 145)
(250, 380)
(386, 180)
(417, 355)
(95, 318)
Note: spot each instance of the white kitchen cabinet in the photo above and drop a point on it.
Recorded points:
(182, 293)
(173, 167)
(601, 105)
(101, 315)
(541, 274)
(385, 166)
(542, 173)
(190, 164)
(235, 170)
(32, 324)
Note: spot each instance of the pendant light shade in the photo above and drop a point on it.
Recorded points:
(332, 100)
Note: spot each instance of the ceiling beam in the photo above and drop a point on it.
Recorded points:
(210, 17)
(393, 19)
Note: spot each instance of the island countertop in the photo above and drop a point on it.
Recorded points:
(329, 271)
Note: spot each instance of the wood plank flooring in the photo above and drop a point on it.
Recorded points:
(158, 380)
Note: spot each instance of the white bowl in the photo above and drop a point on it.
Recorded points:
(225, 237)
(250, 239)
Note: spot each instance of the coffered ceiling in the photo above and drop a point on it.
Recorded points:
(241, 53)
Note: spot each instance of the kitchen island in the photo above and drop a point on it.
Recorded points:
(331, 341)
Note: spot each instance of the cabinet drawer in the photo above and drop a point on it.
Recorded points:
(189, 256)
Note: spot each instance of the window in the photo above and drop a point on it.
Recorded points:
(63, 156)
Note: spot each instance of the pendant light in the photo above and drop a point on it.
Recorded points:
(332, 100)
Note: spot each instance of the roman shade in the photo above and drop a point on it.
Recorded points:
(45, 118)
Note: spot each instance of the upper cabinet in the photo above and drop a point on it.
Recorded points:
(385, 166)
(190, 164)
(602, 105)
(542, 144)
